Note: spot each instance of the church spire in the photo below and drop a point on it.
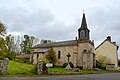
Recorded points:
(83, 31)
(84, 23)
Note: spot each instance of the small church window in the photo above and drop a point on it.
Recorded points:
(82, 34)
(37, 55)
(59, 54)
(85, 50)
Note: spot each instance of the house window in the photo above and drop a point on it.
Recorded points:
(59, 54)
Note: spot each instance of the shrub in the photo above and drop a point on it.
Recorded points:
(102, 61)
(45, 69)
(80, 67)
(51, 56)
(23, 61)
(1, 58)
(65, 64)
(11, 55)
(100, 65)
(44, 60)
(71, 65)
(119, 62)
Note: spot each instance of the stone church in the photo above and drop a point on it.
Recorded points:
(81, 49)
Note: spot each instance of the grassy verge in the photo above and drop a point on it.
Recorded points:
(1, 60)
(22, 69)
(62, 71)
(29, 70)
(58, 70)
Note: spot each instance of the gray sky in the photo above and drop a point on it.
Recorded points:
(59, 19)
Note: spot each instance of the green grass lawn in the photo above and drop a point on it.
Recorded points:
(60, 70)
(1, 60)
(15, 68)
(23, 69)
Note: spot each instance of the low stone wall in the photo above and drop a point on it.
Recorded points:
(110, 67)
(4, 66)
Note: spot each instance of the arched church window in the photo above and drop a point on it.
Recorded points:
(82, 34)
(37, 55)
(59, 54)
(85, 50)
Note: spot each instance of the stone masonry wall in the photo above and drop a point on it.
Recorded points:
(72, 50)
(81, 47)
(4, 66)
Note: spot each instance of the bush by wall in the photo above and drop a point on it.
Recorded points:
(100, 65)
(71, 65)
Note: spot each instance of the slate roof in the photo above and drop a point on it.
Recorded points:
(41, 50)
(105, 41)
(23, 56)
(55, 44)
(84, 23)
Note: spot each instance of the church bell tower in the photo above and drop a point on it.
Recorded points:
(85, 48)
(83, 31)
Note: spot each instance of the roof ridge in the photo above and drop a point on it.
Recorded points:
(69, 42)
(103, 42)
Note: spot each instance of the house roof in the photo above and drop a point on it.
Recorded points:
(104, 42)
(23, 56)
(55, 44)
(41, 51)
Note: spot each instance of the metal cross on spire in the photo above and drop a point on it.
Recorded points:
(83, 11)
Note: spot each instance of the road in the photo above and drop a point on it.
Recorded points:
(110, 76)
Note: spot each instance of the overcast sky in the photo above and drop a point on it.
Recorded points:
(60, 19)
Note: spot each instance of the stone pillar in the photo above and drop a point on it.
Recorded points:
(84, 60)
(39, 66)
(75, 59)
(87, 60)
(4, 66)
(6, 60)
(90, 60)
(94, 60)
(1, 65)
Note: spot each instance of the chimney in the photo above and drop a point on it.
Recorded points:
(109, 38)
(92, 41)
(75, 38)
(114, 43)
